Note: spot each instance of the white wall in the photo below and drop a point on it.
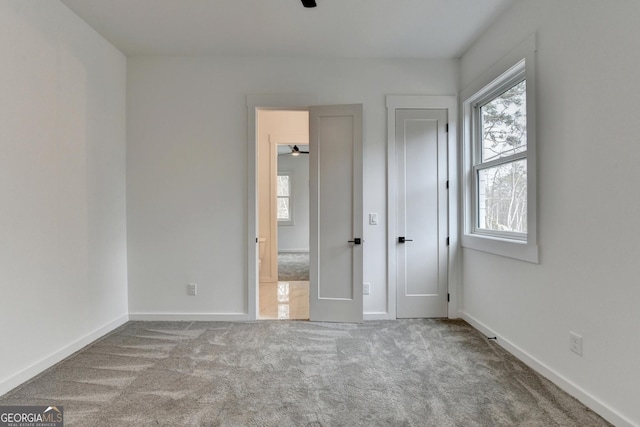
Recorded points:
(588, 63)
(62, 187)
(187, 166)
(295, 237)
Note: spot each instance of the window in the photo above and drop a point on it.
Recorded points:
(499, 159)
(284, 205)
(500, 162)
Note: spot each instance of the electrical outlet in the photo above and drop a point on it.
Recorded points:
(192, 289)
(366, 288)
(575, 343)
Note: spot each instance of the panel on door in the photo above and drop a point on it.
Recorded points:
(336, 212)
(422, 223)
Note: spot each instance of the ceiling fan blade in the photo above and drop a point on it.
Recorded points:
(309, 3)
(295, 151)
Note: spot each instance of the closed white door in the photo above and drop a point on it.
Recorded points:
(421, 229)
(336, 212)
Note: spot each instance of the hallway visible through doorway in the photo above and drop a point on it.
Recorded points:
(283, 177)
(284, 300)
(293, 266)
(289, 298)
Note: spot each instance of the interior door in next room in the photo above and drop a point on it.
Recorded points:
(421, 229)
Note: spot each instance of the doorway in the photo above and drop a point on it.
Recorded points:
(336, 206)
(292, 205)
(422, 215)
(448, 201)
(283, 214)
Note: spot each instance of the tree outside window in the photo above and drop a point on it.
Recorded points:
(499, 158)
(501, 162)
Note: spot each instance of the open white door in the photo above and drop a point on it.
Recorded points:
(336, 213)
(422, 223)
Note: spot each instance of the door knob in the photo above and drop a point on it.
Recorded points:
(355, 241)
(402, 239)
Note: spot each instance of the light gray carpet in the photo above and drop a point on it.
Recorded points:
(293, 266)
(286, 373)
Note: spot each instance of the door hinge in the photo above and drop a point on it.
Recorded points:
(447, 184)
(256, 240)
(447, 127)
(447, 241)
(448, 297)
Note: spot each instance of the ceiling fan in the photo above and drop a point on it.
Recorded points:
(295, 151)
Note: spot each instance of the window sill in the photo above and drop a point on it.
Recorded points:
(508, 248)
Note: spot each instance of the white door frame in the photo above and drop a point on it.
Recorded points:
(255, 102)
(449, 103)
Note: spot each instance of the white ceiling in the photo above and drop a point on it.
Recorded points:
(336, 28)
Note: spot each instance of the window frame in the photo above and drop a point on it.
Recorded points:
(513, 77)
(517, 66)
(289, 221)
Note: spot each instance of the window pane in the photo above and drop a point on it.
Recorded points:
(283, 185)
(283, 208)
(504, 124)
(502, 197)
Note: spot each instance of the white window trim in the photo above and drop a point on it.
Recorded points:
(503, 73)
(291, 220)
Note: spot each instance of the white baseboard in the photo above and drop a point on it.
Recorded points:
(595, 404)
(220, 317)
(191, 317)
(59, 355)
(376, 316)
